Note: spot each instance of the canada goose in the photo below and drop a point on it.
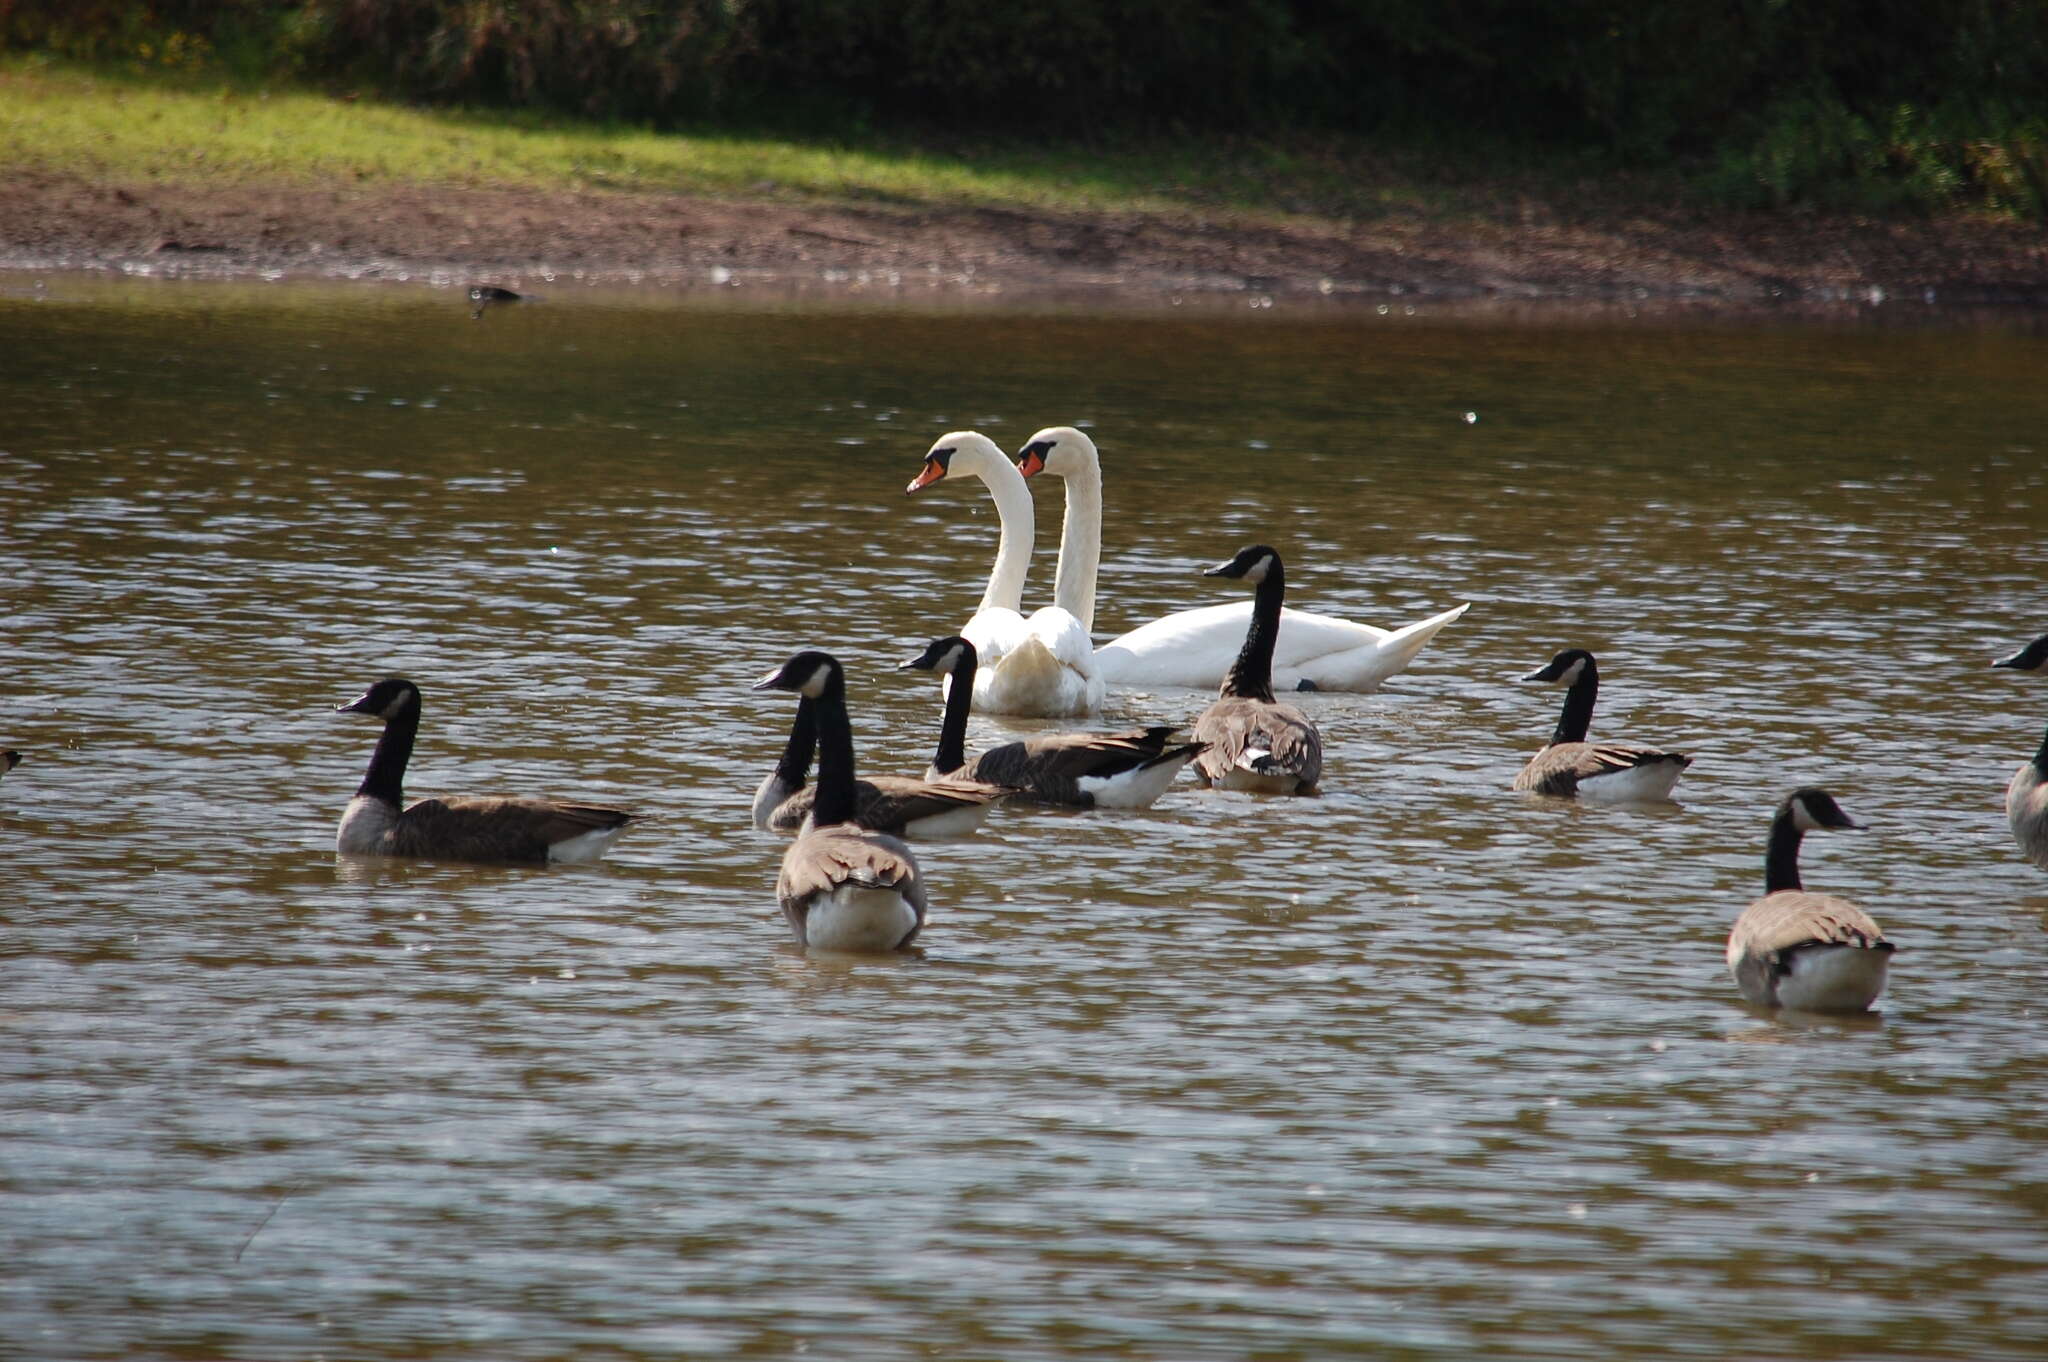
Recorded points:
(842, 886)
(1600, 771)
(483, 295)
(2026, 797)
(467, 828)
(1195, 647)
(1808, 952)
(1043, 665)
(1253, 742)
(1123, 770)
(903, 806)
(9, 760)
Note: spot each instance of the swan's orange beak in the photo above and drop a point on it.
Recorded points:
(932, 472)
(1031, 462)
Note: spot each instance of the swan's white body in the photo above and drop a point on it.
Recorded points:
(1043, 664)
(1196, 647)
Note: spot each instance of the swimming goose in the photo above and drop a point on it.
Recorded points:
(1196, 647)
(903, 806)
(1255, 742)
(467, 828)
(1809, 952)
(1600, 771)
(1042, 666)
(1122, 770)
(842, 886)
(2026, 798)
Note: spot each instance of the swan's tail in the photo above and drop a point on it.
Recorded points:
(1364, 668)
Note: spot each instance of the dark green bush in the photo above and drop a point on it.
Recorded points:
(1876, 102)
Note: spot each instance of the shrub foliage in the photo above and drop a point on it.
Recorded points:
(1873, 102)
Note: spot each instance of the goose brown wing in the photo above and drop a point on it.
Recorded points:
(489, 828)
(1050, 763)
(1792, 918)
(824, 858)
(1559, 768)
(1236, 726)
(887, 803)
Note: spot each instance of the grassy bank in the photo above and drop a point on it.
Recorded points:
(172, 127)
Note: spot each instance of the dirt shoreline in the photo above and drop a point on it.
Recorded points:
(59, 221)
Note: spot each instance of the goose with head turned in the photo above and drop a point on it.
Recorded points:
(1599, 771)
(1254, 742)
(918, 807)
(378, 822)
(2026, 796)
(842, 887)
(1805, 951)
(1042, 665)
(1120, 770)
(1196, 647)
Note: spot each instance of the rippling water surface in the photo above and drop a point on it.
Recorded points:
(1416, 1069)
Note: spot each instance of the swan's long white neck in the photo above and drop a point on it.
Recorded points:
(1073, 589)
(1020, 530)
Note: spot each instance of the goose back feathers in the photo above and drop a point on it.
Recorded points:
(1601, 771)
(1806, 951)
(377, 822)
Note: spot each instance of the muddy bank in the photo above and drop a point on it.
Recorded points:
(1526, 251)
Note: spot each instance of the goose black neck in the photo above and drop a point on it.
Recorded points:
(1781, 862)
(952, 753)
(2041, 757)
(1251, 676)
(1577, 716)
(803, 740)
(385, 780)
(835, 800)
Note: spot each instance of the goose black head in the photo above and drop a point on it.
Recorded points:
(386, 700)
(2032, 658)
(1815, 810)
(1565, 668)
(1249, 565)
(809, 674)
(942, 655)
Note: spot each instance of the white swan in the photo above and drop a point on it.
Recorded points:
(1196, 647)
(1043, 665)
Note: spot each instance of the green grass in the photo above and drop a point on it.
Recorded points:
(184, 127)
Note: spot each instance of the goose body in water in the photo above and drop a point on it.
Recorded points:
(2026, 795)
(1251, 740)
(904, 806)
(1128, 769)
(377, 821)
(1797, 949)
(1599, 771)
(1196, 647)
(1041, 665)
(842, 887)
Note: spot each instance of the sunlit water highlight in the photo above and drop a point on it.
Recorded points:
(1417, 1069)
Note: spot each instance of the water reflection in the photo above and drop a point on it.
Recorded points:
(1421, 1067)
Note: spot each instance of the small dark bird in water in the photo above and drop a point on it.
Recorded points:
(483, 295)
(9, 760)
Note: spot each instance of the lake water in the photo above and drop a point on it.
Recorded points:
(1418, 1069)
